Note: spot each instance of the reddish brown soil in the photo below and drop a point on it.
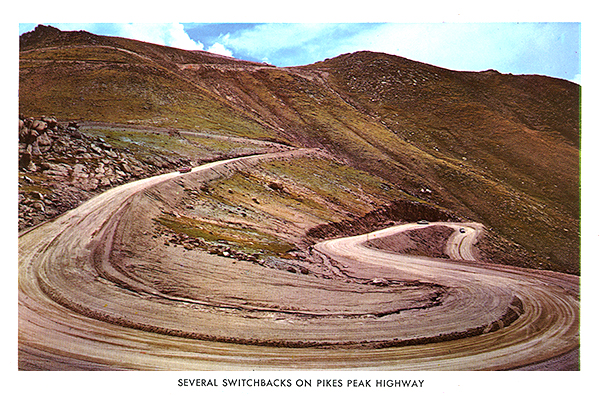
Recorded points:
(429, 242)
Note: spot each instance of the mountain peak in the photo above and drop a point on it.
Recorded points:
(43, 29)
(40, 33)
(49, 36)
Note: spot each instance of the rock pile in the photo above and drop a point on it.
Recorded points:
(60, 167)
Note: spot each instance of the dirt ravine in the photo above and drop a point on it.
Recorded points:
(92, 297)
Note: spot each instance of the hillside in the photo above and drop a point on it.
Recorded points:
(502, 150)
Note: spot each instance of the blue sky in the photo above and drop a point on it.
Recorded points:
(551, 49)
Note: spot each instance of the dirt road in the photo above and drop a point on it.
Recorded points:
(97, 293)
(544, 307)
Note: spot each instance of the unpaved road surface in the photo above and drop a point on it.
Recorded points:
(97, 293)
(546, 304)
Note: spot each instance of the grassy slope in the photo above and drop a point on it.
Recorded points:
(269, 206)
(115, 86)
(495, 148)
(488, 147)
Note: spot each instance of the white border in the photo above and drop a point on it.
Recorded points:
(165, 383)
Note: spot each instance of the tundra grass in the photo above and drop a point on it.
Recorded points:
(343, 185)
(80, 54)
(137, 92)
(252, 191)
(250, 240)
(311, 191)
(143, 143)
(219, 145)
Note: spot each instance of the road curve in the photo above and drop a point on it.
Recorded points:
(547, 303)
(81, 306)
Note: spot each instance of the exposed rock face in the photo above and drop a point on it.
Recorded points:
(60, 167)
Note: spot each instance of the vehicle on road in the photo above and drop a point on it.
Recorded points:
(422, 222)
(185, 169)
(462, 230)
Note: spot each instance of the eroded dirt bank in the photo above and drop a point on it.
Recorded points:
(430, 242)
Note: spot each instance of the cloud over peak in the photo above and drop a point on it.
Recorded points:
(169, 34)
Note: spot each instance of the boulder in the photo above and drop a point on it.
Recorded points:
(60, 170)
(24, 160)
(275, 186)
(28, 122)
(28, 136)
(79, 171)
(39, 206)
(96, 149)
(39, 126)
(157, 161)
(125, 167)
(380, 282)
(44, 140)
(51, 122)
(36, 195)
(35, 149)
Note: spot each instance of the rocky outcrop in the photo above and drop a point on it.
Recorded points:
(60, 167)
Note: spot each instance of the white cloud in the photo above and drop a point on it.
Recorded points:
(519, 48)
(218, 48)
(169, 34)
(454, 46)
(270, 38)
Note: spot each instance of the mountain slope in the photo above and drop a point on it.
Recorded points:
(499, 149)
(505, 147)
(80, 75)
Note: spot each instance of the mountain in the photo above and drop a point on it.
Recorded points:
(494, 148)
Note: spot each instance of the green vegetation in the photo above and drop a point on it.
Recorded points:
(249, 240)
(145, 143)
(26, 189)
(353, 190)
(123, 90)
(140, 141)
(260, 207)
(252, 191)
